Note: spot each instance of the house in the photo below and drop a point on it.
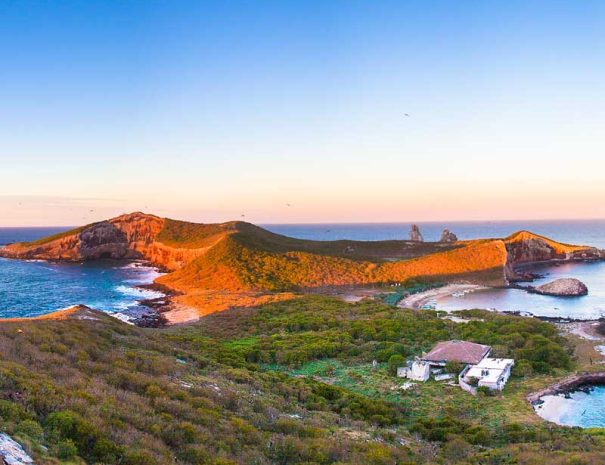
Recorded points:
(468, 353)
(492, 373)
(480, 370)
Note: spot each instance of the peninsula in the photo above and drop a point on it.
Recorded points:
(213, 267)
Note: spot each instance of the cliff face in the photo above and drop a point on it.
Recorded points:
(525, 247)
(132, 236)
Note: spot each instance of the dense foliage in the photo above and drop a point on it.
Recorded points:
(299, 331)
(224, 391)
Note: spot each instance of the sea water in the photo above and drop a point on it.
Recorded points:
(33, 287)
(581, 232)
(577, 408)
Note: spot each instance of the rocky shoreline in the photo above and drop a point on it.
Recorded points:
(571, 383)
(159, 306)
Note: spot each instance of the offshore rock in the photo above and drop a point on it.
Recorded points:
(448, 236)
(566, 287)
(415, 234)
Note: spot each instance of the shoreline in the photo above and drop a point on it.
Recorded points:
(417, 301)
(568, 384)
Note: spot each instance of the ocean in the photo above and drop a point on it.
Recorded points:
(35, 288)
(32, 288)
(581, 232)
(577, 408)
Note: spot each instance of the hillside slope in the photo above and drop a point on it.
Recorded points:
(216, 266)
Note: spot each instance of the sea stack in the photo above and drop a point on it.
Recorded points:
(415, 234)
(448, 236)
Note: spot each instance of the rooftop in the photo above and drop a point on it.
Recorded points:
(490, 369)
(458, 351)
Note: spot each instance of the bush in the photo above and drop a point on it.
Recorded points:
(454, 368)
(30, 428)
(395, 361)
(65, 449)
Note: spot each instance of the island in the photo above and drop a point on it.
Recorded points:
(213, 267)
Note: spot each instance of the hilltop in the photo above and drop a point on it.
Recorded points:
(212, 267)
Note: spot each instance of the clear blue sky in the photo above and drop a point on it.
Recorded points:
(209, 110)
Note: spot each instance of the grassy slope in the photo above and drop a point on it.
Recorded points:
(55, 237)
(228, 390)
(115, 394)
(237, 265)
(335, 343)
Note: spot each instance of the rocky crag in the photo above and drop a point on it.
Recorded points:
(448, 236)
(415, 234)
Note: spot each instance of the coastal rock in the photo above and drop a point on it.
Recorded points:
(131, 236)
(568, 384)
(448, 236)
(415, 234)
(563, 287)
(11, 452)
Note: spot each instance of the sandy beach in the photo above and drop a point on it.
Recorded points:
(552, 408)
(584, 329)
(422, 298)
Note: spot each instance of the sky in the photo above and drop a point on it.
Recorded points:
(290, 112)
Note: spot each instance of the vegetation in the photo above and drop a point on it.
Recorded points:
(290, 382)
(58, 236)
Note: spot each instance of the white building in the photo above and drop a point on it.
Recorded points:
(492, 373)
(418, 371)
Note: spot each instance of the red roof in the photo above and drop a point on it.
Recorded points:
(457, 351)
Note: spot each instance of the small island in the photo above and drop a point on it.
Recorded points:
(563, 287)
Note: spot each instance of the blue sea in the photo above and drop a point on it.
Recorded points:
(31, 288)
(582, 232)
(578, 408)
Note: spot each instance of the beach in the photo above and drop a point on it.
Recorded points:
(423, 298)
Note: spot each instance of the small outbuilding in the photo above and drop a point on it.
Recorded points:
(416, 371)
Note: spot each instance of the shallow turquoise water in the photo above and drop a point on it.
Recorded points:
(586, 410)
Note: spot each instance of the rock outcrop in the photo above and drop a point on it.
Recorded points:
(11, 452)
(132, 236)
(448, 236)
(415, 234)
(564, 287)
(568, 384)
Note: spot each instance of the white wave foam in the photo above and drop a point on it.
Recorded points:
(139, 293)
(123, 317)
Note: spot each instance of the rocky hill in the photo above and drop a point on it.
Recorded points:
(216, 266)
